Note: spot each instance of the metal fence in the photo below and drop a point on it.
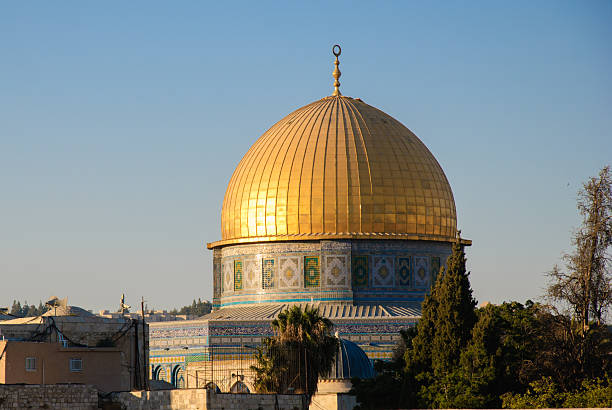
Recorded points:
(230, 369)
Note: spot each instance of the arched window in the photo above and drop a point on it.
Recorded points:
(178, 377)
(155, 372)
(162, 374)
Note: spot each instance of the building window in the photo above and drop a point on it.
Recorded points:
(30, 364)
(237, 275)
(62, 340)
(76, 365)
(267, 273)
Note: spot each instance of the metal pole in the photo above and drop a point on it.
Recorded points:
(144, 359)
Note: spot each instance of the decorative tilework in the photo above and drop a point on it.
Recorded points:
(312, 272)
(421, 272)
(335, 270)
(289, 276)
(435, 269)
(360, 270)
(228, 275)
(181, 331)
(251, 274)
(217, 275)
(383, 272)
(223, 329)
(238, 274)
(404, 271)
(268, 278)
(370, 287)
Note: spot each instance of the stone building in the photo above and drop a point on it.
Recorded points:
(71, 345)
(338, 205)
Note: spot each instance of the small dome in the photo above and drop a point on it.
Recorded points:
(351, 361)
(337, 168)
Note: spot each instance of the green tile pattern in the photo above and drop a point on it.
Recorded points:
(312, 272)
(360, 270)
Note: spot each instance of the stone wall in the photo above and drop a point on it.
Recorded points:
(58, 396)
(201, 399)
(333, 401)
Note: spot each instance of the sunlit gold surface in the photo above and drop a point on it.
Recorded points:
(336, 74)
(337, 168)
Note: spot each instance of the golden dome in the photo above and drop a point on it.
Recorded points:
(337, 168)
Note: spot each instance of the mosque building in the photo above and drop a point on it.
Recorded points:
(339, 206)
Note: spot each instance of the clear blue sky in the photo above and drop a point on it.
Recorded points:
(122, 122)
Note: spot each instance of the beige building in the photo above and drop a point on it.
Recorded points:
(71, 345)
(150, 316)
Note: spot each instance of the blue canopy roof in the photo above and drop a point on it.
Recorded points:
(351, 361)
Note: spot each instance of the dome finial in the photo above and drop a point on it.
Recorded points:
(337, 72)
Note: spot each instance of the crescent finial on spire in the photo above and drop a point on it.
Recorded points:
(337, 72)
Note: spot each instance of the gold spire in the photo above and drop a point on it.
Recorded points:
(337, 72)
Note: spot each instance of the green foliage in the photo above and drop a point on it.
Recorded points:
(542, 393)
(442, 333)
(198, 308)
(545, 393)
(25, 310)
(272, 369)
(390, 388)
(301, 351)
(501, 353)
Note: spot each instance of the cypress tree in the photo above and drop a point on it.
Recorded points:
(454, 321)
(455, 316)
(445, 328)
(418, 356)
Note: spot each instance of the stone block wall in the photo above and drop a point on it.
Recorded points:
(51, 397)
(201, 399)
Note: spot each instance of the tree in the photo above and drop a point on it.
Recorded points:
(501, 353)
(442, 332)
(198, 308)
(16, 308)
(25, 310)
(544, 393)
(301, 350)
(568, 355)
(390, 388)
(585, 285)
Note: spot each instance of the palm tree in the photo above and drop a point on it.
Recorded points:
(301, 350)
